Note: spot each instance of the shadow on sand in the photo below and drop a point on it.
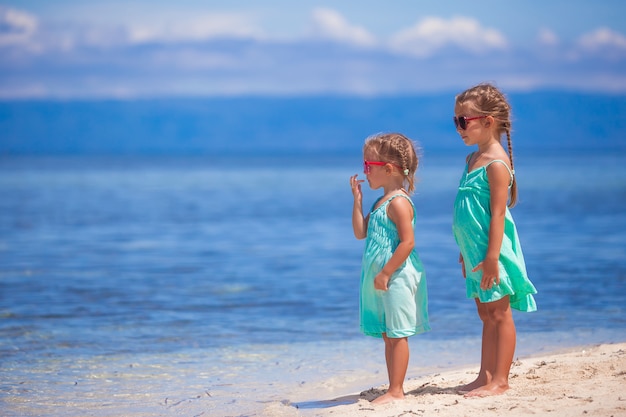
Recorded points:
(428, 389)
(371, 394)
(345, 400)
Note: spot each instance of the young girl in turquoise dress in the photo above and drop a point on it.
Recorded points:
(393, 299)
(491, 256)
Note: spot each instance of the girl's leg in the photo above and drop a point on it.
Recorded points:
(488, 351)
(500, 318)
(388, 354)
(397, 356)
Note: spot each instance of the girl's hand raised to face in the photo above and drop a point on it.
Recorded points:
(355, 184)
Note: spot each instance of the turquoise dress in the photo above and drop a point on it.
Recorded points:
(472, 215)
(402, 310)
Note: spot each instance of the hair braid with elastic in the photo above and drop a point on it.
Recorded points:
(513, 199)
(409, 163)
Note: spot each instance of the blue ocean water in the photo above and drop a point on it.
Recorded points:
(229, 286)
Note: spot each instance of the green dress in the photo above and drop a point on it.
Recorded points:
(472, 215)
(402, 310)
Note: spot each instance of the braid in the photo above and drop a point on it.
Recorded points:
(513, 199)
(403, 156)
(405, 165)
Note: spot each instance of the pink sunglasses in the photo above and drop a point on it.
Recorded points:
(461, 121)
(367, 165)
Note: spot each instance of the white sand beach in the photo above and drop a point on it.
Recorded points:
(586, 381)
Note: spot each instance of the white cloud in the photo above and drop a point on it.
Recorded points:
(547, 37)
(433, 33)
(16, 27)
(22, 30)
(603, 38)
(216, 25)
(329, 24)
(228, 53)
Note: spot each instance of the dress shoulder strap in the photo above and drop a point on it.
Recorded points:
(403, 196)
(511, 171)
(400, 195)
(385, 203)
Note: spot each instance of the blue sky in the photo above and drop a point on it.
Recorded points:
(128, 49)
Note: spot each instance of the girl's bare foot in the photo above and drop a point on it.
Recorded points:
(387, 398)
(488, 390)
(477, 383)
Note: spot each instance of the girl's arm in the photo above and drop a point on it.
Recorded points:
(400, 211)
(499, 180)
(359, 223)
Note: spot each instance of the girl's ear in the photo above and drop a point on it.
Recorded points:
(489, 120)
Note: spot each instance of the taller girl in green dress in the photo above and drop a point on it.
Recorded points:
(491, 255)
(393, 302)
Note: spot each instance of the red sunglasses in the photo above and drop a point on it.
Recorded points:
(368, 164)
(461, 121)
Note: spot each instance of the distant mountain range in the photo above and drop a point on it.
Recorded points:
(294, 125)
